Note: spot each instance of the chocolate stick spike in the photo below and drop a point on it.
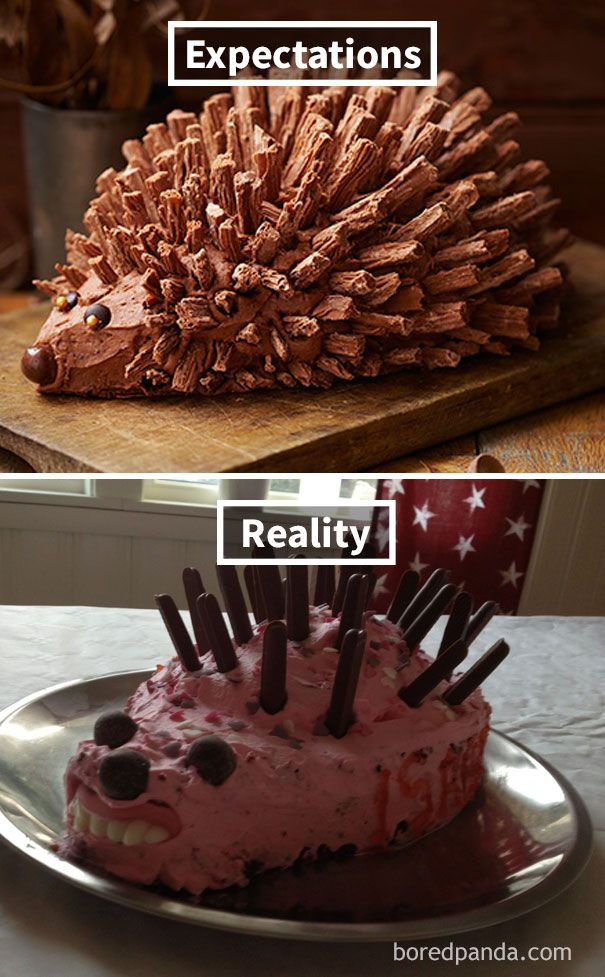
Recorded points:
(479, 620)
(270, 585)
(262, 609)
(406, 588)
(340, 711)
(273, 692)
(423, 597)
(428, 680)
(297, 600)
(370, 591)
(347, 571)
(353, 605)
(221, 645)
(325, 583)
(457, 621)
(179, 634)
(235, 605)
(253, 592)
(476, 674)
(429, 616)
(194, 586)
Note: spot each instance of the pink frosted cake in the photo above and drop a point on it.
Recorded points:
(321, 728)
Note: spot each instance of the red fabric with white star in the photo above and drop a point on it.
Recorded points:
(480, 529)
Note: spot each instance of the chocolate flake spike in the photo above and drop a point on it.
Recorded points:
(235, 604)
(339, 714)
(325, 582)
(353, 605)
(429, 616)
(479, 620)
(254, 594)
(430, 678)
(270, 585)
(178, 632)
(194, 586)
(221, 645)
(457, 622)
(408, 583)
(273, 692)
(297, 600)
(476, 674)
(423, 597)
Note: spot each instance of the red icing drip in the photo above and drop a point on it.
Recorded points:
(380, 836)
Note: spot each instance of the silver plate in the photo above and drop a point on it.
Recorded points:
(525, 839)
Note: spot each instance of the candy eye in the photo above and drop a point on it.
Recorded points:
(213, 759)
(97, 316)
(124, 774)
(113, 729)
(66, 302)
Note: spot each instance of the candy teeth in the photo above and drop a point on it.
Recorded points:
(81, 819)
(155, 834)
(136, 832)
(116, 829)
(98, 826)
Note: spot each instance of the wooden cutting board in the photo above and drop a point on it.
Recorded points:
(349, 428)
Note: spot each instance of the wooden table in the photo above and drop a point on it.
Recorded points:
(568, 437)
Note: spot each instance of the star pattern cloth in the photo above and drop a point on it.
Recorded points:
(482, 530)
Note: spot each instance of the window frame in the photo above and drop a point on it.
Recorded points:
(148, 496)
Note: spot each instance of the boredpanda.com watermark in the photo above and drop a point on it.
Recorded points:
(500, 953)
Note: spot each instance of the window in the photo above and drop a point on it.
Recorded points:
(147, 494)
(198, 490)
(49, 485)
(189, 489)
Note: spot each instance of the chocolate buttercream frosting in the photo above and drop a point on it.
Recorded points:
(290, 237)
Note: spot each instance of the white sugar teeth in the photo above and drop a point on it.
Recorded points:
(81, 819)
(155, 834)
(116, 829)
(135, 832)
(128, 833)
(98, 826)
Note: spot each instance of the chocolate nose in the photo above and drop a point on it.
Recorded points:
(38, 364)
(123, 774)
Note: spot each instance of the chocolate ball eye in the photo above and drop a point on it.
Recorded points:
(213, 759)
(97, 316)
(124, 774)
(38, 364)
(66, 302)
(113, 729)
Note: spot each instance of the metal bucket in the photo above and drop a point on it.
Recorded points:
(65, 150)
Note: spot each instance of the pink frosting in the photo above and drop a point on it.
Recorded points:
(398, 772)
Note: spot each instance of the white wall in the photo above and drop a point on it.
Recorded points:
(120, 554)
(54, 554)
(566, 574)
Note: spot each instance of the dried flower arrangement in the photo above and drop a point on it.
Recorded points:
(101, 50)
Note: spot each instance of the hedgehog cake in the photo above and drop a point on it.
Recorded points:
(321, 728)
(292, 237)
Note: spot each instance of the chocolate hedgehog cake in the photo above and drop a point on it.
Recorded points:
(293, 237)
(321, 728)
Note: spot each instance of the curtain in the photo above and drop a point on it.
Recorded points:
(482, 530)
